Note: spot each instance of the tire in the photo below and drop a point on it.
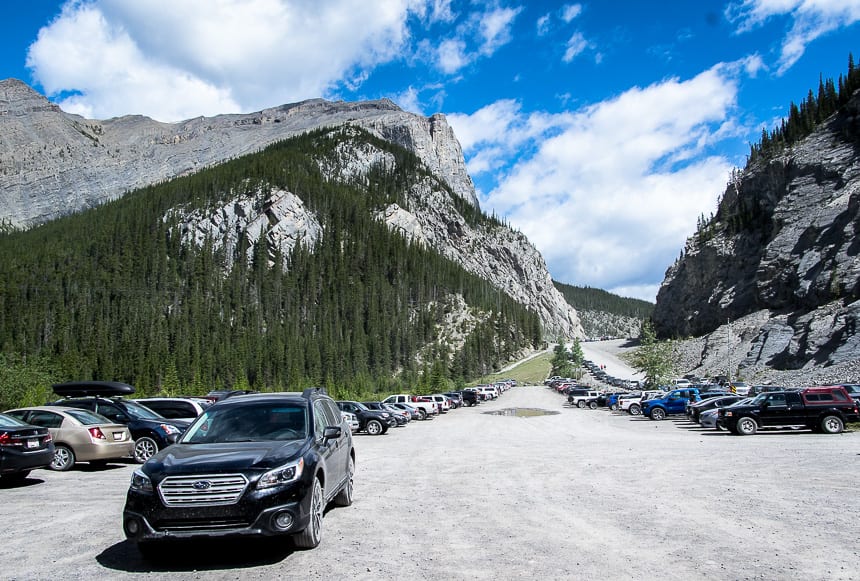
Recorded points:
(374, 428)
(422, 414)
(63, 458)
(592, 405)
(144, 449)
(311, 536)
(746, 427)
(832, 425)
(581, 404)
(635, 409)
(344, 496)
(657, 414)
(613, 407)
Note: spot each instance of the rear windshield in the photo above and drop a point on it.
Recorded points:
(261, 422)
(10, 422)
(87, 418)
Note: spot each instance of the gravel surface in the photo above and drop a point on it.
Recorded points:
(583, 494)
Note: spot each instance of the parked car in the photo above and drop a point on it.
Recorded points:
(826, 409)
(150, 431)
(456, 398)
(394, 419)
(176, 408)
(470, 397)
(351, 421)
(373, 422)
(23, 448)
(674, 402)
(261, 465)
(708, 418)
(79, 435)
(219, 394)
(695, 409)
(414, 413)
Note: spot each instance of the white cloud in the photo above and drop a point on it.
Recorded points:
(575, 46)
(810, 19)
(495, 28)
(175, 60)
(611, 191)
(543, 24)
(481, 34)
(452, 55)
(570, 11)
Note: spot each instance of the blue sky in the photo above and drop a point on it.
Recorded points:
(600, 129)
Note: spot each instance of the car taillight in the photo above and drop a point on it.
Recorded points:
(97, 434)
(5, 439)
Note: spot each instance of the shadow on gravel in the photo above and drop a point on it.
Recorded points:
(7, 483)
(211, 555)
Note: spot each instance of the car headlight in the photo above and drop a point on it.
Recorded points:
(140, 482)
(168, 429)
(282, 475)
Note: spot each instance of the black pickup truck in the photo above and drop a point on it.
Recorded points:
(825, 409)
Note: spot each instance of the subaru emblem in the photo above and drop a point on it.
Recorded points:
(202, 485)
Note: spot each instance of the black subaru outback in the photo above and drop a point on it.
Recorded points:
(258, 465)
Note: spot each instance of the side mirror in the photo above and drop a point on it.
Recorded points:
(332, 433)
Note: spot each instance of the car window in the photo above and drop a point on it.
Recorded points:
(86, 417)
(111, 412)
(777, 399)
(137, 411)
(45, 419)
(249, 423)
(7, 421)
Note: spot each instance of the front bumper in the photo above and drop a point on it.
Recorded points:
(258, 513)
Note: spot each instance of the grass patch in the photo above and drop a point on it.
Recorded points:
(531, 372)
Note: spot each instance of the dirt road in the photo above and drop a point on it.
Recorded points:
(578, 495)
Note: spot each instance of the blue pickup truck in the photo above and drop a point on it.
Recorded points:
(674, 402)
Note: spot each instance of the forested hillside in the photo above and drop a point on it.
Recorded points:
(604, 314)
(114, 294)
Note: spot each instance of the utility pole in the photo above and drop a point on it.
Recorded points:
(729, 351)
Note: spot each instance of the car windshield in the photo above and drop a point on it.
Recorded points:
(87, 418)
(249, 423)
(140, 412)
(361, 406)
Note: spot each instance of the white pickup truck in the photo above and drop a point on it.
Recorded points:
(633, 405)
(425, 407)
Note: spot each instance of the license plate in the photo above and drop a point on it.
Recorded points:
(119, 436)
(33, 443)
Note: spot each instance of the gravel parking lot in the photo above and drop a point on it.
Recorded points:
(578, 495)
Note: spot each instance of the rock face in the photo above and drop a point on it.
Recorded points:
(782, 253)
(53, 163)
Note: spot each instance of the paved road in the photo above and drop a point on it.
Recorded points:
(584, 494)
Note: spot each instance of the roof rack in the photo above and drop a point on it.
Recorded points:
(314, 391)
(88, 388)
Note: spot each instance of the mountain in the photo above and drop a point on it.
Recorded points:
(770, 286)
(349, 233)
(604, 314)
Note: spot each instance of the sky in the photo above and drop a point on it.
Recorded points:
(601, 129)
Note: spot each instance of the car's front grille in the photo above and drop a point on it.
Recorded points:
(206, 490)
(208, 524)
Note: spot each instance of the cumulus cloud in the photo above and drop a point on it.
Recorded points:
(810, 19)
(610, 192)
(175, 60)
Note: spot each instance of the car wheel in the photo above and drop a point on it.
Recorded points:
(832, 425)
(746, 427)
(310, 537)
(422, 414)
(581, 404)
(144, 449)
(63, 458)
(613, 407)
(373, 427)
(344, 497)
(658, 414)
(592, 405)
(635, 409)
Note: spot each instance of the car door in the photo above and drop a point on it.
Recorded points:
(774, 410)
(330, 450)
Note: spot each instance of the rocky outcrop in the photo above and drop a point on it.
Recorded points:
(784, 250)
(53, 163)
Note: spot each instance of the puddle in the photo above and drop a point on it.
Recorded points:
(522, 412)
